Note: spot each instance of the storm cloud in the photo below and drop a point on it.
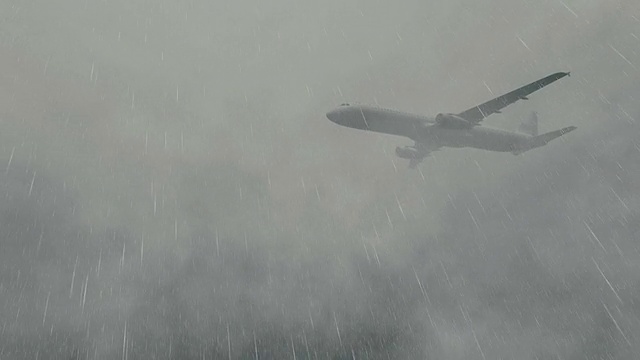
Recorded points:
(172, 190)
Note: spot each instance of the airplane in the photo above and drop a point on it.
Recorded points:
(452, 130)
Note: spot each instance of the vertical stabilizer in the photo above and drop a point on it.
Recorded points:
(529, 125)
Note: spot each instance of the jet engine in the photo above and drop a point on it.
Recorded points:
(408, 152)
(452, 121)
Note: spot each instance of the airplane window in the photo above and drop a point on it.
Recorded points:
(344, 104)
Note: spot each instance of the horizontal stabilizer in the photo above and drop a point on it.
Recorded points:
(543, 139)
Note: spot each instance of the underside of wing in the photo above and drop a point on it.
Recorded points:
(413, 163)
(477, 113)
(415, 154)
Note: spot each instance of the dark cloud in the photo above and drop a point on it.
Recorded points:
(172, 189)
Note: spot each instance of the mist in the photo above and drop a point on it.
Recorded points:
(172, 189)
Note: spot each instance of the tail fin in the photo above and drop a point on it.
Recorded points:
(529, 125)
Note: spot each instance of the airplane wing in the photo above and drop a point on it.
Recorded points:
(416, 153)
(478, 113)
(425, 150)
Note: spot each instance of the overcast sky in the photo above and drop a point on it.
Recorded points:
(173, 189)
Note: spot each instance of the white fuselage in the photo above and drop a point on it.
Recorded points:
(425, 130)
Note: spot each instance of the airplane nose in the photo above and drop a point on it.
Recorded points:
(334, 115)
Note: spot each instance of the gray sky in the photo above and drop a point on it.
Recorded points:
(174, 190)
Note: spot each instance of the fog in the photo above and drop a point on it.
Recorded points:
(172, 189)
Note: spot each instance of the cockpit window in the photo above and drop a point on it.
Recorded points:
(344, 104)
